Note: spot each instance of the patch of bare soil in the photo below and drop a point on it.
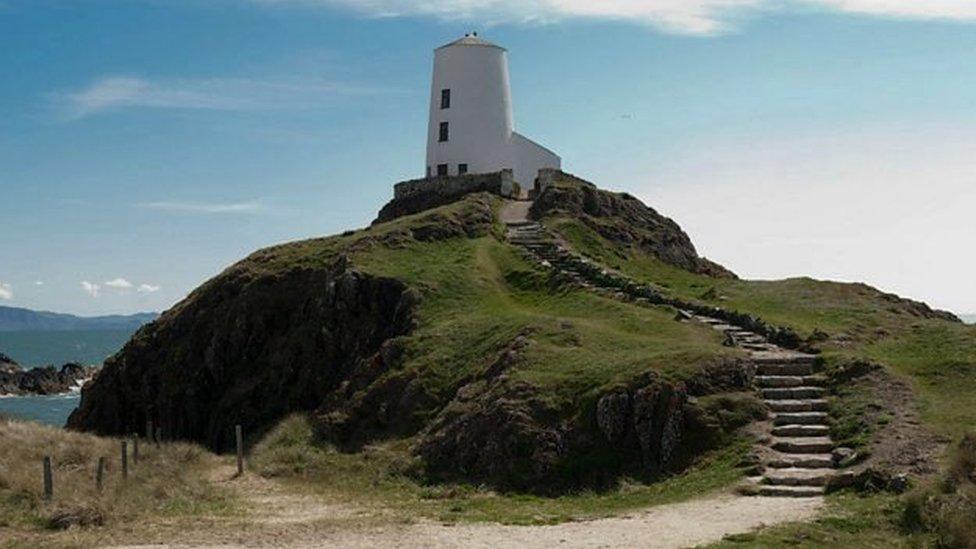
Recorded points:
(904, 444)
(277, 518)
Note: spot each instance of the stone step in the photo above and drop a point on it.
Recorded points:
(791, 381)
(797, 405)
(798, 477)
(783, 357)
(779, 369)
(800, 418)
(791, 491)
(801, 431)
(791, 393)
(800, 461)
(803, 445)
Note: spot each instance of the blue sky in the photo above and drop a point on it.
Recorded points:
(147, 144)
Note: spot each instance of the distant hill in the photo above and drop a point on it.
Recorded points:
(14, 319)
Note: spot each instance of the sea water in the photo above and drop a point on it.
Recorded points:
(38, 348)
(48, 409)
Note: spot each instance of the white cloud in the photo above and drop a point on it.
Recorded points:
(90, 288)
(962, 10)
(148, 289)
(205, 207)
(698, 17)
(6, 291)
(38, 282)
(119, 284)
(113, 93)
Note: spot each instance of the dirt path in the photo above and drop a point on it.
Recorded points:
(276, 517)
(515, 211)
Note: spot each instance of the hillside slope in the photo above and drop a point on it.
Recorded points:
(931, 349)
(433, 329)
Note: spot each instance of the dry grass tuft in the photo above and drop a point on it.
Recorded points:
(947, 508)
(168, 480)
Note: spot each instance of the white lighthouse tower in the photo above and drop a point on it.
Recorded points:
(471, 124)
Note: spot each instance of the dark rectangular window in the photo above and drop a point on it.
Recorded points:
(441, 170)
(462, 169)
(429, 173)
(445, 132)
(445, 99)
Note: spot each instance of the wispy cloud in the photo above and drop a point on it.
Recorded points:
(205, 207)
(113, 93)
(119, 284)
(91, 288)
(696, 17)
(148, 289)
(38, 282)
(6, 291)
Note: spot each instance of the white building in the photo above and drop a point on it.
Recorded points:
(471, 125)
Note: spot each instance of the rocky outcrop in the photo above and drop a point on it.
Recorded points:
(622, 218)
(283, 331)
(648, 421)
(41, 381)
(8, 365)
(246, 349)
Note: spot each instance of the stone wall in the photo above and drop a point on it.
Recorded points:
(410, 197)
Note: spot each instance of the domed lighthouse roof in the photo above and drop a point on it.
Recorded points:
(471, 39)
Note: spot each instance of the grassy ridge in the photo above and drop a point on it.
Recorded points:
(479, 294)
(939, 357)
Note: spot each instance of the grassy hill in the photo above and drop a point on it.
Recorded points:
(425, 357)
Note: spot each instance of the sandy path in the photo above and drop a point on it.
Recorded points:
(679, 525)
(278, 518)
(514, 211)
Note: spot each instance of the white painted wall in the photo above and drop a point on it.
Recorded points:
(480, 116)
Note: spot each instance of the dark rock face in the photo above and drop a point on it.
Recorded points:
(247, 348)
(649, 419)
(41, 381)
(623, 218)
(506, 435)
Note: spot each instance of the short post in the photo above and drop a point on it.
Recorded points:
(48, 479)
(99, 473)
(240, 449)
(149, 430)
(135, 448)
(159, 436)
(125, 460)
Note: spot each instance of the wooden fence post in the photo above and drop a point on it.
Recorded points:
(149, 431)
(240, 449)
(125, 460)
(159, 436)
(48, 479)
(99, 473)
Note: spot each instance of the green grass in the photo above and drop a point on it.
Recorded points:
(479, 295)
(381, 475)
(848, 521)
(937, 356)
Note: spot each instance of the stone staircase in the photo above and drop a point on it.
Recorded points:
(796, 458)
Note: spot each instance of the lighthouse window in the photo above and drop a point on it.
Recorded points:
(445, 99)
(441, 170)
(445, 132)
(462, 169)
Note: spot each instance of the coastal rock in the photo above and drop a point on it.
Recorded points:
(42, 381)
